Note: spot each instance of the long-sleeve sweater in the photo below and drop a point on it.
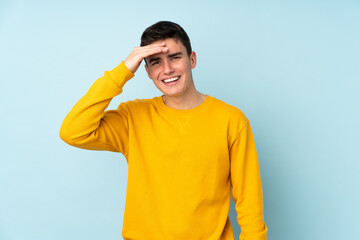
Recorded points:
(181, 163)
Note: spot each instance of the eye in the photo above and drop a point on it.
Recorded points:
(176, 57)
(155, 63)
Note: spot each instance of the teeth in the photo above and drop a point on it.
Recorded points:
(171, 79)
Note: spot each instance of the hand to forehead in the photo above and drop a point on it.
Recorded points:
(133, 61)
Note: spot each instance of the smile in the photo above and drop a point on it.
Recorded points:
(170, 80)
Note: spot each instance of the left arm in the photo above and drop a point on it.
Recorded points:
(246, 183)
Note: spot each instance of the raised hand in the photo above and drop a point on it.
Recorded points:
(133, 61)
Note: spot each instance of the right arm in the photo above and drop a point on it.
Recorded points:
(88, 125)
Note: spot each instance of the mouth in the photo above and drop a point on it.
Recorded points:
(171, 81)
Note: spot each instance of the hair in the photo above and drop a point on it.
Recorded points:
(163, 30)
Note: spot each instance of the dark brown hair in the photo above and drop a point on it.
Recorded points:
(163, 30)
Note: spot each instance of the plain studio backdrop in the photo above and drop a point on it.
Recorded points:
(293, 68)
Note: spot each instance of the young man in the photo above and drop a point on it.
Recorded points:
(185, 150)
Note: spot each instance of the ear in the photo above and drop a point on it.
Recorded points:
(148, 71)
(193, 59)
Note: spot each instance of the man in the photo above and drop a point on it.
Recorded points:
(185, 150)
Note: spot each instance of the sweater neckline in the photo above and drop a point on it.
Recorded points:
(160, 103)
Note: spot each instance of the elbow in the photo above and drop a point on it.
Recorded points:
(65, 135)
(72, 137)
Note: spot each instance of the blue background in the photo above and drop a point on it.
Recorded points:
(293, 67)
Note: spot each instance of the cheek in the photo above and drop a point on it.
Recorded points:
(154, 74)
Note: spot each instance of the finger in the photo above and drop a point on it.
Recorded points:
(153, 46)
(149, 52)
(156, 44)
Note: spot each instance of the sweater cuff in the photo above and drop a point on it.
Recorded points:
(120, 75)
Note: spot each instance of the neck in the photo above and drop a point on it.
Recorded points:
(184, 102)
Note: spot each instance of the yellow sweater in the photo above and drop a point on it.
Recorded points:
(181, 163)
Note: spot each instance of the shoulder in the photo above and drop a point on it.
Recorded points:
(137, 105)
(228, 110)
(236, 120)
(232, 116)
(140, 103)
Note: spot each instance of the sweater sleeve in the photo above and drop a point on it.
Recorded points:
(89, 126)
(246, 183)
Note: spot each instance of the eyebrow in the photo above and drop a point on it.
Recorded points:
(169, 56)
(174, 54)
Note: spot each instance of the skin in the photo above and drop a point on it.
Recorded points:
(167, 59)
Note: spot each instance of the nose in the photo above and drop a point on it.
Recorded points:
(168, 68)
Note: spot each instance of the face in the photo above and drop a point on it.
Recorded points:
(171, 71)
